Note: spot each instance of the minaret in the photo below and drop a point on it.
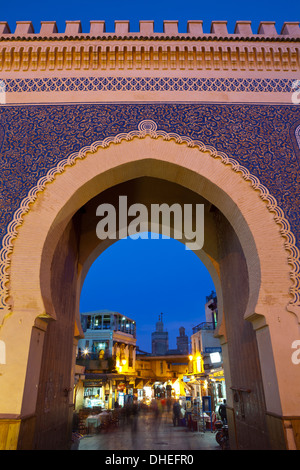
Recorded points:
(182, 341)
(160, 339)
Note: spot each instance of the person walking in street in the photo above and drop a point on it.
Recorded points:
(169, 404)
(176, 413)
(134, 418)
(222, 412)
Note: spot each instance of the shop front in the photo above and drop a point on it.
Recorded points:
(120, 394)
(104, 390)
(94, 394)
(148, 390)
(217, 387)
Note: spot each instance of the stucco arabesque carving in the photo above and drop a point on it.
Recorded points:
(200, 55)
(218, 49)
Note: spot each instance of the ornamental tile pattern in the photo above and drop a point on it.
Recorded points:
(258, 140)
(29, 85)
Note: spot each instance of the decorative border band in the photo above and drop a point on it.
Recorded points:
(256, 85)
(145, 128)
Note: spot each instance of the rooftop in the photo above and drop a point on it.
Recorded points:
(217, 30)
(105, 312)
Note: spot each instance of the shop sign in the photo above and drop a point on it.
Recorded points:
(92, 383)
(212, 350)
(217, 373)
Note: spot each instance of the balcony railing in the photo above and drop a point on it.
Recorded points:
(212, 296)
(131, 330)
(204, 326)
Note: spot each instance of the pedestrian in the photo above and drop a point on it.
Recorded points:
(223, 412)
(134, 417)
(155, 414)
(176, 413)
(169, 403)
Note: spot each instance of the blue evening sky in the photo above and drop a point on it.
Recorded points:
(157, 10)
(145, 277)
(142, 278)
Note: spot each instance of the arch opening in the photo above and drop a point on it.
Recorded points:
(81, 230)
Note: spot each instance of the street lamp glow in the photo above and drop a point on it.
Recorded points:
(198, 363)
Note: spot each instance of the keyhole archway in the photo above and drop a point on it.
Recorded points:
(244, 251)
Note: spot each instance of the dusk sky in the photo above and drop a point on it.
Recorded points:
(141, 279)
(157, 10)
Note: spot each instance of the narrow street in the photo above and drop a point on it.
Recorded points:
(147, 433)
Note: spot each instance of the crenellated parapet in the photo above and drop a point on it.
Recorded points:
(218, 30)
(49, 49)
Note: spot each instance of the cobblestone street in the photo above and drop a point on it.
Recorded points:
(146, 433)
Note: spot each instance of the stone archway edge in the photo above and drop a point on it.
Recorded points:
(146, 128)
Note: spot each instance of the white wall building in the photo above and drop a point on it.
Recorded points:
(109, 334)
(206, 373)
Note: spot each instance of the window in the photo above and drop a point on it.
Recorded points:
(99, 345)
(98, 322)
(106, 322)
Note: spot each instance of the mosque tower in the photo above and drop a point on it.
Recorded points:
(160, 339)
(182, 341)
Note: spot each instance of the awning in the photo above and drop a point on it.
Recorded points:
(149, 383)
(187, 387)
(197, 381)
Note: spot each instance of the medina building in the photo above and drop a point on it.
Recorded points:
(108, 334)
(108, 352)
(206, 373)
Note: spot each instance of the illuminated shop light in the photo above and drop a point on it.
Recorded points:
(215, 357)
